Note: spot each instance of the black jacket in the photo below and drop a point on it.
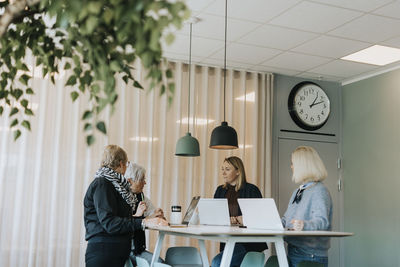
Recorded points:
(107, 216)
(247, 191)
(139, 236)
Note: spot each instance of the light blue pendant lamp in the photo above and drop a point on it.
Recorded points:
(188, 146)
(224, 136)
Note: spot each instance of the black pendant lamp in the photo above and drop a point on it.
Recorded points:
(188, 146)
(224, 136)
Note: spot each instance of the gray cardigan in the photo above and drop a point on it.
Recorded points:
(315, 209)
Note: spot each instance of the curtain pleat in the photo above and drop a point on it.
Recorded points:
(44, 175)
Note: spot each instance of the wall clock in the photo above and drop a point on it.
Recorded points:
(309, 106)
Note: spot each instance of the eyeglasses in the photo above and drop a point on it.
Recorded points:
(127, 163)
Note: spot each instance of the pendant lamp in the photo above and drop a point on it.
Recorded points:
(224, 136)
(188, 146)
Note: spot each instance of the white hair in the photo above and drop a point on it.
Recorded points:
(307, 165)
(135, 172)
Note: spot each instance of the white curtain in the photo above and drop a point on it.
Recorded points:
(44, 175)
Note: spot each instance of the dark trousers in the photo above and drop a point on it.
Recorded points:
(107, 254)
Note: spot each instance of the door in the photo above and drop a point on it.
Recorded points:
(329, 154)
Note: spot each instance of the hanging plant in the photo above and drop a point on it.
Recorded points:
(97, 40)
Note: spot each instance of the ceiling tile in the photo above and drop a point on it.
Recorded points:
(319, 76)
(295, 61)
(369, 28)
(276, 37)
(332, 47)
(255, 10)
(212, 27)
(361, 5)
(246, 53)
(343, 68)
(391, 10)
(314, 17)
(201, 47)
(274, 70)
(196, 5)
(394, 42)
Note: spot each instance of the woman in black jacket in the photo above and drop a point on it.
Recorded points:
(108, 210)
(235, 187)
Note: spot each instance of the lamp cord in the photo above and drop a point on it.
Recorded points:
(226, 23)
(190, 73)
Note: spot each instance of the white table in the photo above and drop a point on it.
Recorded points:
(230, 236)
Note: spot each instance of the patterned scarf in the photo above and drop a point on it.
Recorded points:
(120, 184)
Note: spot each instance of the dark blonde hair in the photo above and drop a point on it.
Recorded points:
(113, 155)
(237, 163)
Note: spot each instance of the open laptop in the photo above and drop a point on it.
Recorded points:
(214, 211)
(260, 213)
(189, 213)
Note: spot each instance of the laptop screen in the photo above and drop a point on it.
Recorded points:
(190, 210)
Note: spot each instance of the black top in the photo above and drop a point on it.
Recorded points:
(247, 191)
(107, 216)
(139, 236)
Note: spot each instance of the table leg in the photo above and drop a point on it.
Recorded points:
(281, 253)
(227, 254)
(203, 253)
(157, 249)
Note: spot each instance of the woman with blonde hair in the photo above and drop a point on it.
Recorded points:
(108, 213)
(309, 209)
(236, 186)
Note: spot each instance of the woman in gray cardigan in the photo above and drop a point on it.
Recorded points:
(309, 209)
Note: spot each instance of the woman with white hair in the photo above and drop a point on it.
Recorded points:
(136, 176)
(108, 208)
(309, 209)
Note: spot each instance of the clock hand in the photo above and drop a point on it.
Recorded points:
(314, 101)
(314, 104)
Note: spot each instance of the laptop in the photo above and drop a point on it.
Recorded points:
(260, 213)
(189, 213)
(214, 211)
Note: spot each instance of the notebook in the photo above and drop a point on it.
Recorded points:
(214, 211)
(189, 213)
(260, 213)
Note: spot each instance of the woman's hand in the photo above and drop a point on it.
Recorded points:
(298, 225)
(235, 220)
(140, 209)
(157, 213)
(155, 222)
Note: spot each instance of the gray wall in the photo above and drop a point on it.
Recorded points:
(371, 170)
(327, 146)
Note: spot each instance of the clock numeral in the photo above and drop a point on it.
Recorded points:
(324, 105)
(301, 111)
(302, 98)
(322, 113)
(319, 117)
(312, 119)
(299, 103)
(305, 93)
(306, 116)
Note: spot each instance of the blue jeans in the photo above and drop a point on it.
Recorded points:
(237, 257)
(296, 256)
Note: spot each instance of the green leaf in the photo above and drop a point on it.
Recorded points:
(1, 111)
(90, 139)
(24, 103)
(13, 123)
(29, 112)
(14, 110)
(169, 39)
(26, 124)
(87, 115)
(101, 127)
(171, 88)
(17, 93)
(67, 66)
(29, 91)
(88, 126)
(94, 7)
(71, 80)
(137, 85)
(17, 134)
(74, 95)
(168, 73)
(91, 24)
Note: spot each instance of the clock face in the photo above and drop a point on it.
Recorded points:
(309, 106)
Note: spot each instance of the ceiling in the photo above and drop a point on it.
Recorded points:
(292, 37)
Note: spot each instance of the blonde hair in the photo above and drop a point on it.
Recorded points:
(135, 172)
(237, 163)
(307, 165)
(113, 155)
